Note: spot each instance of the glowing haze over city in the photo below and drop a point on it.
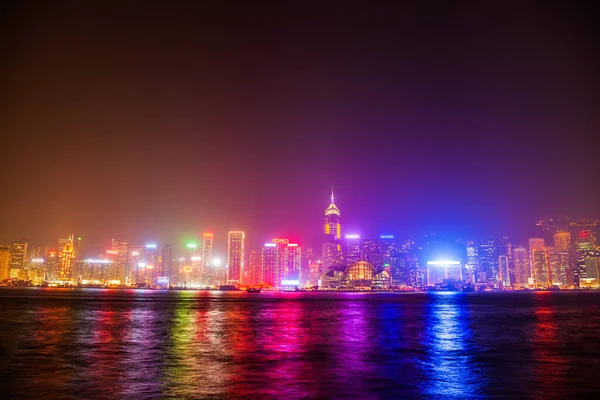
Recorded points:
(295, 200)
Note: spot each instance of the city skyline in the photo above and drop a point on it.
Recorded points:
(97, 245)
(564, 254)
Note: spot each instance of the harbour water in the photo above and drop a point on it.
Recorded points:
(119, 344)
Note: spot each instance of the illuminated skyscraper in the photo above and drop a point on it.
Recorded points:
(587, 269)
(522, 268)
(331, 248)
(562, 241)
(472, 265)
(399, 268)
(503, 271)
(167, 262)
(269, 264)
(135, 256)
(537, 261)
(387, 249)
(352, 250)
(208, 271)
(559, 266)
(119, 251)
(18, 259)
(505, 248)
(281, 261)
(585, 240)
(4, 263)
(315, 270)
(332, 221)
(254, 268)
(293, 270)
(488, 261)
(66, 258)
(371, 252)
(236, 241)
(92, 271)
(540, 267)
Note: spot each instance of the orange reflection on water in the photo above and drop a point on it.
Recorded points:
(550, 366)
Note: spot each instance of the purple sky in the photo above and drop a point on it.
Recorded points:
(149, 122)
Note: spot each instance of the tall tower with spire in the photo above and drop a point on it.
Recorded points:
(331, 248)
(332, 220)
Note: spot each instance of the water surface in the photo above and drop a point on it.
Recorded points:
(119, 344)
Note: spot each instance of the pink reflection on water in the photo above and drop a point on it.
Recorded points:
(550, 366)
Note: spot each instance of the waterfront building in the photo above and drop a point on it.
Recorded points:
(93, 271)
(208, 270)
(281, 261)
(352, 248)
(135, 255)
(503, 271)
(488, 261)
(255, 276)
(18, 258)
(399, 268)
(167, 263)
(585, 241)
(371, 252)
(315, 270)
(562, 241)
(387, 249)
(66, 258)
(472, 266)
(270, 263)
(4, 262)
(540, 268)
(118, 253)
(560, 267)
(522, 268)
(236, 242)
(440, 271)
(331, 249)
(587, 270)
(505, 248)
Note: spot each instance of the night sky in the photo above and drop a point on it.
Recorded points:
(154, 122)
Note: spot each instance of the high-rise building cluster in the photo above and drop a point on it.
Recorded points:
(566, 255)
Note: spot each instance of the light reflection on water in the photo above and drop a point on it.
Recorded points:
(128, 344)
(450, 368)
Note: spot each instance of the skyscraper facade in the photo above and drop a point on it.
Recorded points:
(4, 263)
(559, 266)
(293, 268)
(522, 268)
(120, 266)
(18, 259)
(331, 248)
(167, 262)
(488, 261)
(208, 271)
(281, 261)
(254, 268)
(505, 248)
(66, 258)
(371, 252)
(352, 249)
(236, 242)
(472, 264)
(540, 268)
(503, 271)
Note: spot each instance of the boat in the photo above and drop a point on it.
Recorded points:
(253, 290)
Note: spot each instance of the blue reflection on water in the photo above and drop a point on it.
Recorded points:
(449, 368)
